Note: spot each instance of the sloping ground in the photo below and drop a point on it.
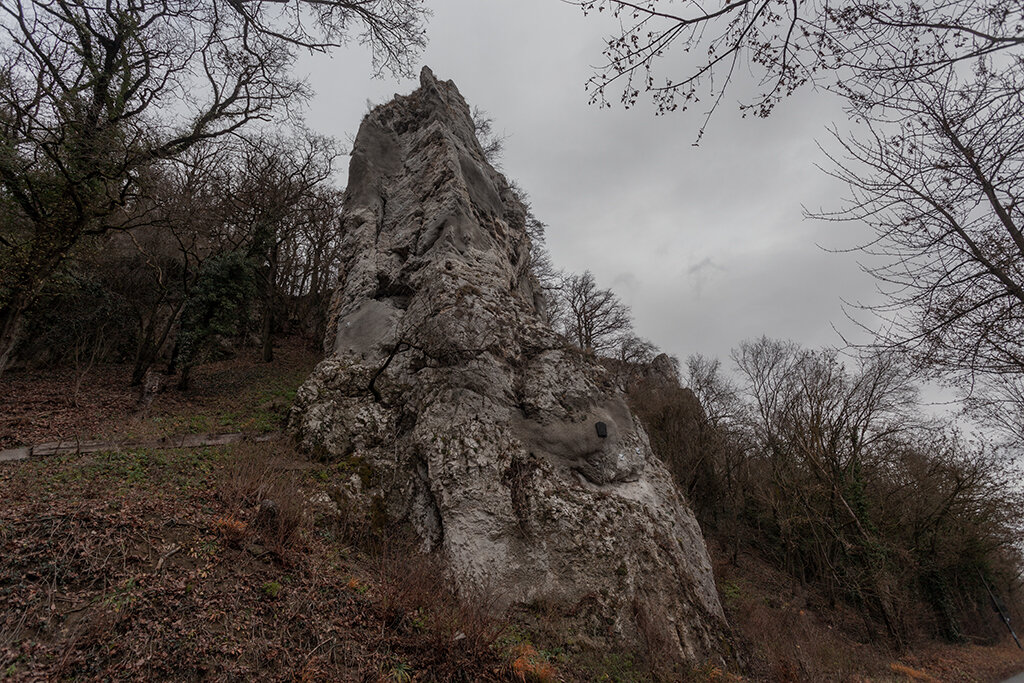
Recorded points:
(238, 394)
(160, 565)
(791, 634)
(165, 566)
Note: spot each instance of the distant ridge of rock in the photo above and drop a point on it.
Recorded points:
(479, 425)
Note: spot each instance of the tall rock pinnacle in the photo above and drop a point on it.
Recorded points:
(480, 424)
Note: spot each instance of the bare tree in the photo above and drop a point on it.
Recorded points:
(816, 426)
(594, 318)
(154, 265)
(91, 94)
(309, 263)
(847, 45)
(997, 402)
(717, 394)
(938, 176)
(268, 194)
(634, 350)
(724, 449)
(492, 143)
(937, 172)
(824, 467)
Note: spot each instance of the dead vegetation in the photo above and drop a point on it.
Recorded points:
(232, 395)
(851, 534)
(789, 632)
(252, 562)
(185, 565)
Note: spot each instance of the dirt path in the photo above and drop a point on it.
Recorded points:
(178, 441)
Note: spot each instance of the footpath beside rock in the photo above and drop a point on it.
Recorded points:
(513, 455)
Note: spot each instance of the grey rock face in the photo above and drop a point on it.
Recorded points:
(443, 377)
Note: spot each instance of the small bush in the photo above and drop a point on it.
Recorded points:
(232, 530)
(529, 666)
(254, 485)
(414, 599)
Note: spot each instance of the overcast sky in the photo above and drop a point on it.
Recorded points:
(707, 244)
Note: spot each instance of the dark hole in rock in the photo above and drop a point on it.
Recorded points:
(397, 291)
(602, 430)
(406, 422)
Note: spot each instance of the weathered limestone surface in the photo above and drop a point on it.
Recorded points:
(444, 378)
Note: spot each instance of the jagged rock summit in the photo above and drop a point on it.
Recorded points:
(446, 388)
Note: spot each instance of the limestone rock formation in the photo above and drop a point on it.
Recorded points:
(444, 379)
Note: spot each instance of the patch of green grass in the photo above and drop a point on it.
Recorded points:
(400, 672)
(513, 635)
(191, 424)
(271, 589)
(264, 421)
(136, 468)
(121, 597)
(357, 465)
(230, 420)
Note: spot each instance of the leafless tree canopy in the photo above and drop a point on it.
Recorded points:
(789, 44)
(393, 30)
(492, 143)
(276, 195)
(92, 94)
(594, 318)
(827, 468)
(837, 447)
(937, 171)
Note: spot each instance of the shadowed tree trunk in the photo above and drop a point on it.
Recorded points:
(10, 326)
(270, 289)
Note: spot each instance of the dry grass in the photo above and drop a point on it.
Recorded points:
(789, 633)
(529, 666)
(262, 493)
(239, 394)
(413, 598)
(157, 566)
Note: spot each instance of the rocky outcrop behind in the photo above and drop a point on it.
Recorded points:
(510, 453)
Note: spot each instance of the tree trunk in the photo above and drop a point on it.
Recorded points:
(270, 284)
(143, 363)
(268, 328)
(185, 378)
(151, 347)
(11, 319)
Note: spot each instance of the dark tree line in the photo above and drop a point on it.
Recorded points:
(95, 98)
(239, 240)
(830, 471)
